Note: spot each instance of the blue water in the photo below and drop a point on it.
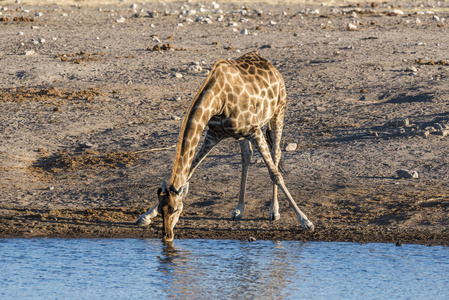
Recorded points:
(219, 269)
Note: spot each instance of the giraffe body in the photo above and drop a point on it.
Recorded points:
(237, 99)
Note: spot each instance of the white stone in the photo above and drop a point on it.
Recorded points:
(178, 75)
(29, 52)
(232, 24)
(436, 18)
(20, 33)
(272, 23)
(194, 68)
(121, 20)
(291, 147)
(244, 32)
(176, 118)
(220, 18)
(133, 6)
(351, 27)
(41, 40)
(396, 11)
(407, 173)
(38, 14)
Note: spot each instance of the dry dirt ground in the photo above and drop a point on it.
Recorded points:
(90, 114)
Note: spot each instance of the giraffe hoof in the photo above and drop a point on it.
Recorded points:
(308, 226)
(274, 217)
(236, 215)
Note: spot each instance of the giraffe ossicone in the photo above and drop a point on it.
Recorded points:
(237, 99)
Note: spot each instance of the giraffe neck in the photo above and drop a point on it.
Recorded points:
(205, 105)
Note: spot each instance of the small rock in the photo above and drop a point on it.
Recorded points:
(38, 14)
(177, 75)
(51, 188)
(41, 40)
(85, 145)
(244, 32)
(272, 23)
(425, 133)
(194, 68)
(176, 118)
(121, 20)
(411, 69)
(351, 27)
(251, 239)
(407, 173)
(29, 52)
(395, 12)
(443, 132)
(291, 147)
(20, 33)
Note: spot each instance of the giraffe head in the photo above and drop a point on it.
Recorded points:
(170, 207)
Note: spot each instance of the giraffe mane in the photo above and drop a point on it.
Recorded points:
(186, 118)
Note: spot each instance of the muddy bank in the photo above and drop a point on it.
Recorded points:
(93, 97)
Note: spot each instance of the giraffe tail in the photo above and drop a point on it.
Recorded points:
(269, 140)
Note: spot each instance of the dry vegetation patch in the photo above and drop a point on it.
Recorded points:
(80, 57)
(24, 94)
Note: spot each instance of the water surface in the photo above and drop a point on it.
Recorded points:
(223, 269)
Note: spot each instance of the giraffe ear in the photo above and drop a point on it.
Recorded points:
(164, 188)
(184, 190)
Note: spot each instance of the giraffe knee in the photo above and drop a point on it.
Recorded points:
(276, 178)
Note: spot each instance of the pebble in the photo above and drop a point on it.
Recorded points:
(443, 132)
(85, 145)
(351, 27)
(291, 147)
(425, 133)
(177, 75)
(407, 173)
(251, 239)
(396, 12)
(41, 40)
(411, 69)
(29, 52)
(272, 23)
(244, 32)
(194, 68)
(232, 24)
(20, 33)
(121, 20)
(176, 118)
(219, 18)
(38, 14)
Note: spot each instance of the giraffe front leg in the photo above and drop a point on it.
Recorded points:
(261, 144)
(247, 153)
(145, 219)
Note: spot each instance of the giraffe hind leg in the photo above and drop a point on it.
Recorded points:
(247, 153)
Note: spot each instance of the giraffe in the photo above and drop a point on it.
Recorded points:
(237, 99)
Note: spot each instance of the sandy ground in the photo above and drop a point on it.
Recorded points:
(90, 114)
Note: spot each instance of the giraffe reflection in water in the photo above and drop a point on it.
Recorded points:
(239, 270)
